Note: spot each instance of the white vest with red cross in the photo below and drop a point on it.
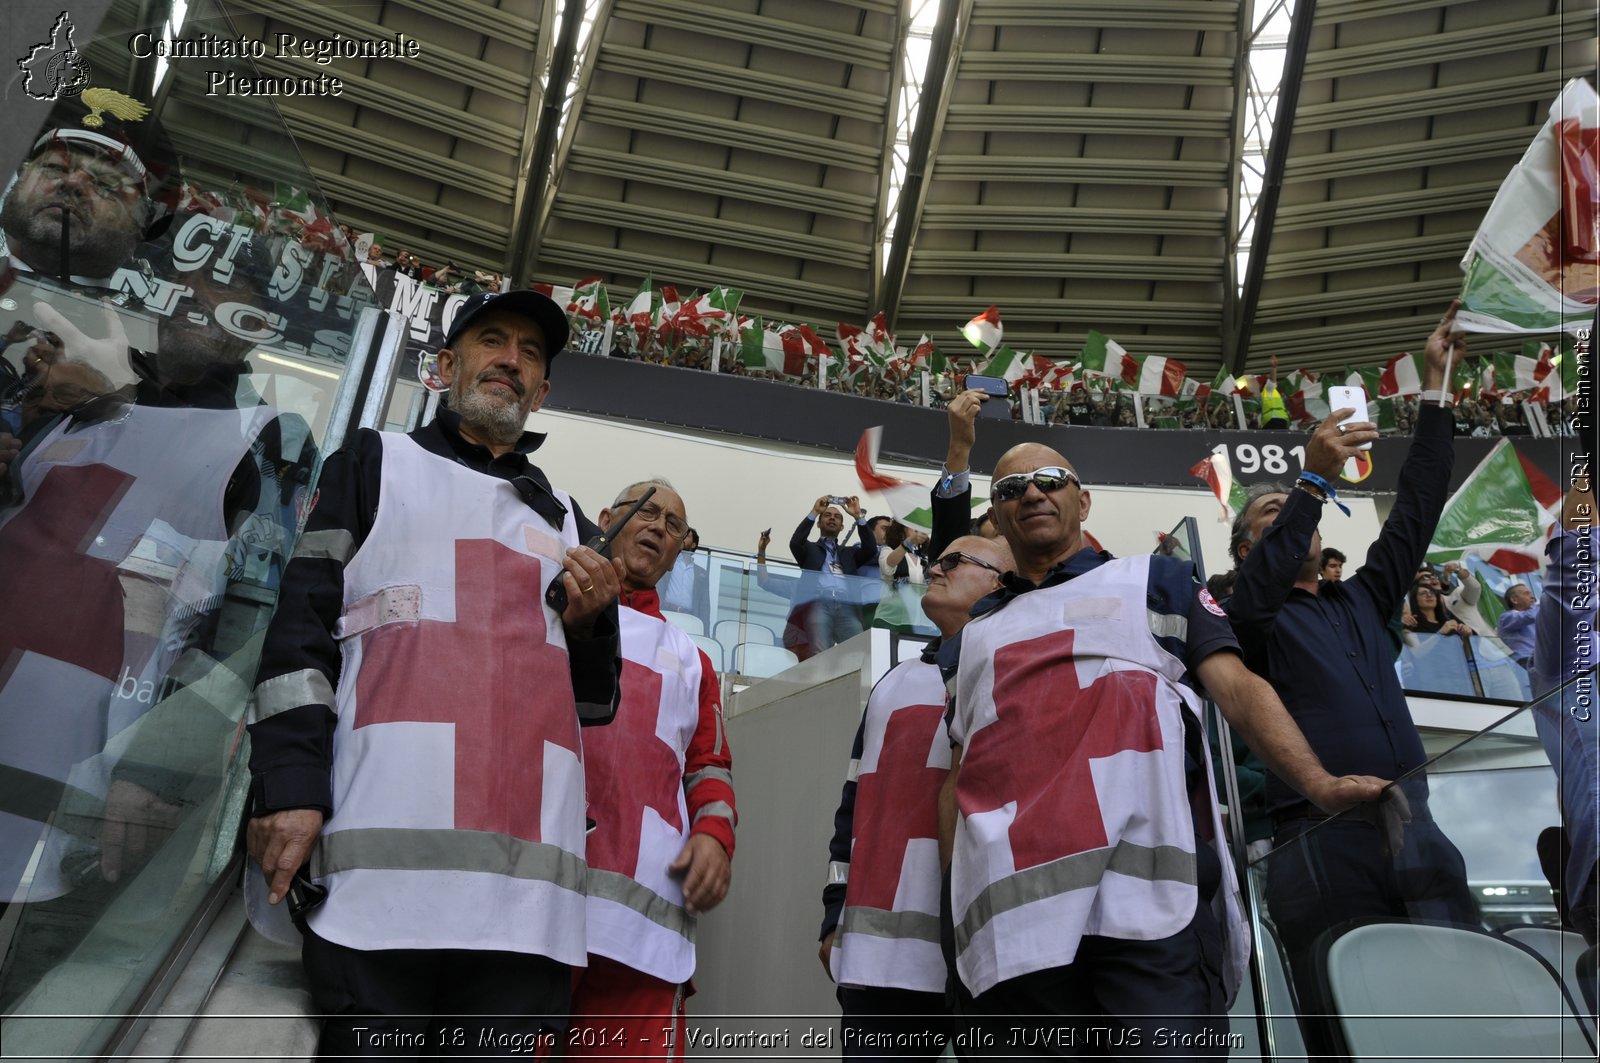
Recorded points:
(889, 929)
(634, 769)
(116, 552)
(1074, 816)
(458, 810)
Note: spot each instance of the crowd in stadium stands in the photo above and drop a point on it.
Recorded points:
(1102, 406)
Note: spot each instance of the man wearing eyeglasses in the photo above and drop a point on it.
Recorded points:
(1087, 878)
(415, 727)
(880, 922)
(660, 788)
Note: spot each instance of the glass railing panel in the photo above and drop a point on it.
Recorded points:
(1466, 849)
(173, 334)
(740, 600)
(1458, 666)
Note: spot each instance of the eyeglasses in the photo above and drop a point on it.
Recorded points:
(677, 527)
(107, 178)
(1051, 478)
(951, 561)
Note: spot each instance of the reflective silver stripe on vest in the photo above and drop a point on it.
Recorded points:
(417, 849)
(721, 774)
(897, 926)
(206, 677)
(717, 808)
(290, 691)
(594, 710)
(1163, 863)
(838, 872)
(716, 747)
(330, 544)
(853, 772)
(1168, 625)
(632, 895)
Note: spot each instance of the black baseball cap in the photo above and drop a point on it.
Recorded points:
(551, 319)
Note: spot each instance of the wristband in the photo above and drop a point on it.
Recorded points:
(1436, 397)
(1312, 489)
(1327, 488)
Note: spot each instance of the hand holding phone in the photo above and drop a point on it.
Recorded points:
(998, 404)
(1341, 397)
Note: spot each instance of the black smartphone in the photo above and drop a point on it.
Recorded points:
(998, 405)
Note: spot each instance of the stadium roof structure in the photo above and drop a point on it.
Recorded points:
(1218, 181)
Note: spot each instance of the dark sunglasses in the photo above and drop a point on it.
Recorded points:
(949, 563)
(1051, 478)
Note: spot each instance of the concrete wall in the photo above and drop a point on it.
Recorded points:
(758, 968)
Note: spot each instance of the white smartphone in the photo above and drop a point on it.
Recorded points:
(1341, 397)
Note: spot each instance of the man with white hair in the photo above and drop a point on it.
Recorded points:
(660, 788)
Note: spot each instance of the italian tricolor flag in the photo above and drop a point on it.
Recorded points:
(1102, 355)
(1402, 376)
(984, 331)
(1154, 375)
(1534, 265)
(911, 503)
(1502, 512)
(1217, 472)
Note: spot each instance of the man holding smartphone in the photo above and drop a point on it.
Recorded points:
(414, 730)
(828, 584)
(1322, 645)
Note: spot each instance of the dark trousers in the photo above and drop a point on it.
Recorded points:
(412, 1003)
(1340, 871)
(893, 1023)
(1116, 999)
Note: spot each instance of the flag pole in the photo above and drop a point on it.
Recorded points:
(1449, 357)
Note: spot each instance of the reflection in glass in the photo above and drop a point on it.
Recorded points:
(162, 321)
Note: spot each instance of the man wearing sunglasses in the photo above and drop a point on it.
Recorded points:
(881, 901)
(1087, 878)
(660, 787)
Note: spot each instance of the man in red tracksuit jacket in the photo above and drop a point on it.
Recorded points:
(660, 792)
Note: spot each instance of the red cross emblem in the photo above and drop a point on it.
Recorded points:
(1038, 754)
(55, 599)
(630, 768)
(895, 803)
(493, 674)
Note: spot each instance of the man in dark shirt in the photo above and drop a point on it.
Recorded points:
(830, 586)
(453, 865)
(1322, 645)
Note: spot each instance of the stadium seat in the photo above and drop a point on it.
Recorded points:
(1561, 949)
(727, 632)
(757, 660)
(1416, 990)
(713, 649)
(686, 621)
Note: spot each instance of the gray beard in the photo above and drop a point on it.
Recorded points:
(93, 250)
(496, 422)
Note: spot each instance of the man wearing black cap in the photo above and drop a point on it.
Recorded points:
(415, 746)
